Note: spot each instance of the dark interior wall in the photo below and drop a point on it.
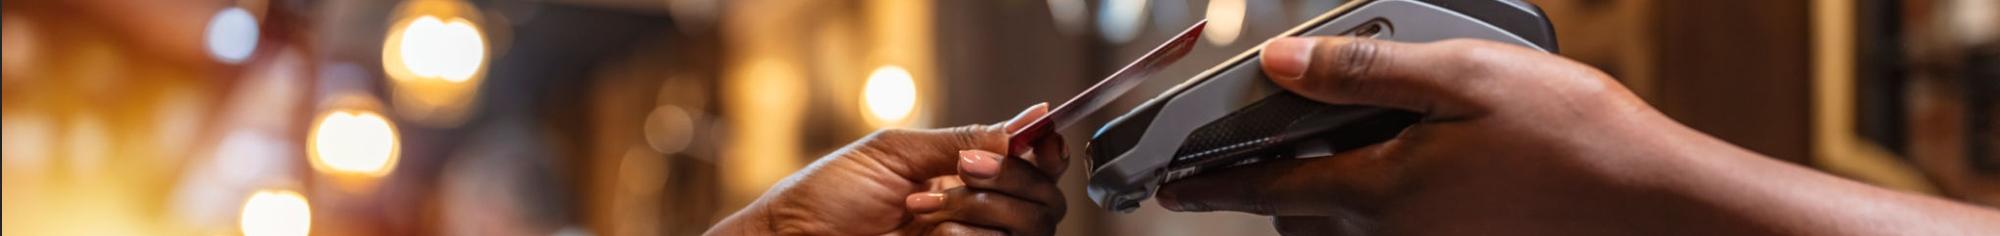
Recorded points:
(1738, 70)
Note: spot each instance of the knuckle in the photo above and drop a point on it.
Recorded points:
(1480, 57)
(889, 134)
(1352, 60)
(1476, 58)
(970, 136)
(1345, 69)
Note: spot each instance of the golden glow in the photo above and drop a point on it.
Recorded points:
(765, 95)
(433, 48)
(1225, 21)
(435, 55)
(19, 43)
(889, 96)
(276, 213)
(354, 142)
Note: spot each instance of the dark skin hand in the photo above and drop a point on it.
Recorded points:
(1518, 141)
(956, 181)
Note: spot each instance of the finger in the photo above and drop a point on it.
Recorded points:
(1015, 177)
(942, 183)
(924, 202)
(1437, 79)
(1050, 156)
(994, 210)
(956, 229)
(1034, 112)
(921, 154)
(1320, 225)
(1352, 180)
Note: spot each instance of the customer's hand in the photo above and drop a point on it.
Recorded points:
(953, 181)
(1511, 137)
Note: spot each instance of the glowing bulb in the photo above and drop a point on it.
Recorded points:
(433, 48)
(354, 142)
(1225, 21)
(232, 35)
(276, 213)
(890, 95)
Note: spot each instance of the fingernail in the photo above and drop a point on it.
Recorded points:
(979, 164)
(924, 202)
(1287, 58)
(1031, 110)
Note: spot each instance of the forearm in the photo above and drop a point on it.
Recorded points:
(1766, 195)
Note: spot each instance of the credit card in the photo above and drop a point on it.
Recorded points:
(1094, 98)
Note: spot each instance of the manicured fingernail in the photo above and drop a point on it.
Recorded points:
(924, 202)
(1020, 117)
(977, 164)
(1287, 58)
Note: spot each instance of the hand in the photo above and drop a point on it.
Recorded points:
(955, 181)
(1511, 137)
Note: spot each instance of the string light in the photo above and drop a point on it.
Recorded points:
(354, 142)
(432, 48)
(276, 213)
(889, 95)
(435, 55)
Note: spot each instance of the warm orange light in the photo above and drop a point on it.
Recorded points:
(354, 142)
(433, 48)
(435, 55)
(276, 213)
(889, 96)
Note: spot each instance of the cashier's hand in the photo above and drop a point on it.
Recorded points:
(1507, 131)
(955, 181)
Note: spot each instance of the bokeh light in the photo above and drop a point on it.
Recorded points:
(231, 35)
(889, 95)
(353, 141)
(1070, 16)
(276, 213)
(669, 129)
(1120, 20)
(433, 48)
(1225, 21)
(435, 54)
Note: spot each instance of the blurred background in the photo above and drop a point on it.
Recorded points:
(659, 117)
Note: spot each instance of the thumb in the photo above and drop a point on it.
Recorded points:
(922, 154)
(1427, 78)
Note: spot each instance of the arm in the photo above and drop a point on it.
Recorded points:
(955, 181)
(1524, 142)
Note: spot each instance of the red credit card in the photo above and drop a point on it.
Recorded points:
(1074, 110)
